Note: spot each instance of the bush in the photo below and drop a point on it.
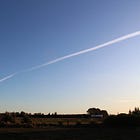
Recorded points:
(26, 119)
(8, 118)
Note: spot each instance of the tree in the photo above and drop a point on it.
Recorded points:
(8, 118)
(97, 112)
(93, 111)
(26, 119)
(136, 111)
(104, 112)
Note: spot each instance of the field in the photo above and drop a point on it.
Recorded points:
(65, 121)
(27, 127)
(79, 133)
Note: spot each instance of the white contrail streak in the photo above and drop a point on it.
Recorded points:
(87, 50)
(76, 54)
(7, 77)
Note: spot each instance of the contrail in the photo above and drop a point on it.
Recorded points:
(7, 77)
(87, 50)
(125, 37)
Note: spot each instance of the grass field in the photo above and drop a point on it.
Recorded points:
(65, 121)
(52, 133)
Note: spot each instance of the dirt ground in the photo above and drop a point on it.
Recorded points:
(96, 133)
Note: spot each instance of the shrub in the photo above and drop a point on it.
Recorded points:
(8, 118)
(26, 119)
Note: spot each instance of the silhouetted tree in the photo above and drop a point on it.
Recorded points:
(54, 114)
(130, 112)
(122, 120)
(104, 113)
(93, 111)
(26, 119)
(22, 113)
(8, 118)
(136, 111)
(97, 111)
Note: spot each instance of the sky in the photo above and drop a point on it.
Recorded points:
(34, 32)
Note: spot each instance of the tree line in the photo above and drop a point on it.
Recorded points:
(23, 119)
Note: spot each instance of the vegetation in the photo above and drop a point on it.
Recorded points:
(94, 117)
(130, 119)
(96, 112)
(79, 126)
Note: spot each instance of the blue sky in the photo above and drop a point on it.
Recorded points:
(33, 32)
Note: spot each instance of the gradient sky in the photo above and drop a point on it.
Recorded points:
(33, 32)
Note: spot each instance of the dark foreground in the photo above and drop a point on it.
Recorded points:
(96, 133)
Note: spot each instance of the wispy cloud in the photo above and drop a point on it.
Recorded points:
(76, 54)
